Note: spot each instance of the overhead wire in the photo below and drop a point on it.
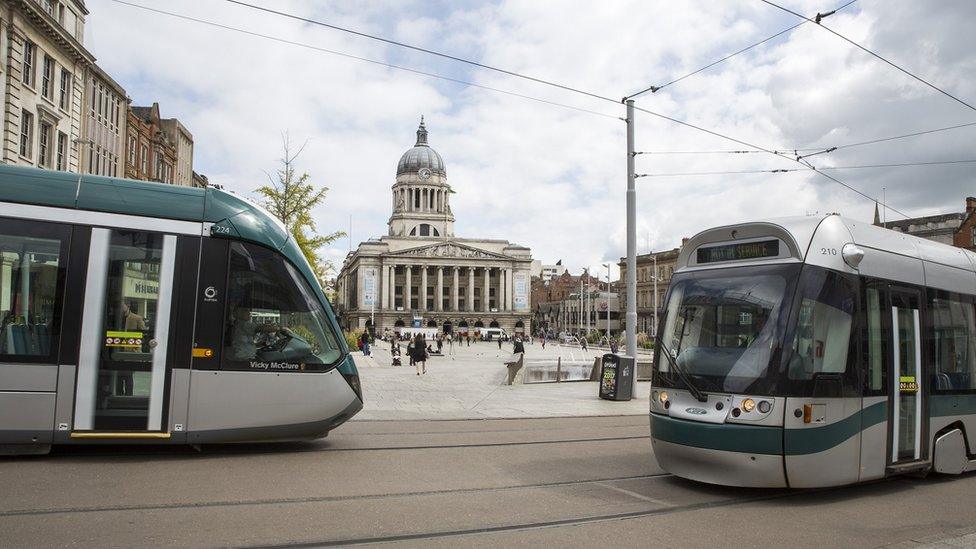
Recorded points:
(788, 170)
(866, 50)
(770, 151)
(365, 59)
(655, 89)
(420, 49)
(462, 82)
(834, 148)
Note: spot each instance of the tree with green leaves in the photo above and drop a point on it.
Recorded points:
(291, 198)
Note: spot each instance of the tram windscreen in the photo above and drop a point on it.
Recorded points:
(723, 327)
(274, 321)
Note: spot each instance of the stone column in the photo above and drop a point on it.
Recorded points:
(439, 299)
(471, 289)
(384, 286)
(455, 293)
(407, 287)
(423, 288)
(391, 289)
(503, 297)
(485, 300)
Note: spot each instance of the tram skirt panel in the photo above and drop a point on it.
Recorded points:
(822, 441)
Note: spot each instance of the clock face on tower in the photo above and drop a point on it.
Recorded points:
(424, 173)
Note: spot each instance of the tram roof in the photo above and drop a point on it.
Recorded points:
(801, 232)
(27, 185)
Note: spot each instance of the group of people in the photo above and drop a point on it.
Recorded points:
(418, 350)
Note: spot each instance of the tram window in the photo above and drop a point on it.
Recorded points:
(952, 342)
(32, 267)
(822, 335)
(273, 320)
(876, 343)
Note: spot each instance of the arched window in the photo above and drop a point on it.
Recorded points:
(463, 324)
(479, 324)
(398, 324)
(448, 327)
(494, 324)
(424, 230)
(520, 324)
(432, 324)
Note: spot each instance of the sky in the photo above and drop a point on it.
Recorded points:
(553, 177)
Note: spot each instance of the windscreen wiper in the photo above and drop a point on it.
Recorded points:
(695, 391)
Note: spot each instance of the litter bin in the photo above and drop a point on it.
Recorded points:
(617, 377)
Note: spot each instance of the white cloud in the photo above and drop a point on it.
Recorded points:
(548, 177)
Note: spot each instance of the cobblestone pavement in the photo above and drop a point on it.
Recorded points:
(468, 383)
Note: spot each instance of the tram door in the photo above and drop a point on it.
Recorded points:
(906, 400)
(121, 379)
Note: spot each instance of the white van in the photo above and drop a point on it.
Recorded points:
(492, 334)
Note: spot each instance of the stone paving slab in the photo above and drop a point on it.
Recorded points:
(468, 383)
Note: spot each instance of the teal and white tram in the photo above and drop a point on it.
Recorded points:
(142, 312)
(815, 351)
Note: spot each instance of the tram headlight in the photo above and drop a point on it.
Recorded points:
(663, 397)
(765, 406)
(748, 405)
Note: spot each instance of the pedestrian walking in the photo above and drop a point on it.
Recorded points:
(419, 354)
(543, 341)
(583, 343)
(469, 339)
(395, 354)
(499, 341)
(364, 343)
(518, 346)
(440, 343)
(410, 351)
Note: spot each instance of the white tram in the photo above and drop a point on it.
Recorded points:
(815, 351)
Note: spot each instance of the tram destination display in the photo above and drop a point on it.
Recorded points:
(738, 252)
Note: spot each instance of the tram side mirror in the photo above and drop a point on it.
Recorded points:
(852, 255)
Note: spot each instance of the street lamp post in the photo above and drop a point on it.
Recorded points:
(607, 265)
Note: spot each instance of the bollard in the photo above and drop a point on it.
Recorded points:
(559, 369)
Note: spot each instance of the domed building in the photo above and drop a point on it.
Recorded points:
(421, 275)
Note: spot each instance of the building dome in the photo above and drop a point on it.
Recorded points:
(421, 156)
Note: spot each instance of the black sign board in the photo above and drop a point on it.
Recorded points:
(738, 252)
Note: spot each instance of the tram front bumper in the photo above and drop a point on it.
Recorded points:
(725, 454)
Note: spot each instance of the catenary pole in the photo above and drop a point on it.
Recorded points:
(631, 241)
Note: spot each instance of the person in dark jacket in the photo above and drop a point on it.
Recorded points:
(419, 354)
(519, 347)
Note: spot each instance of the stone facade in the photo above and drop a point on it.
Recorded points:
(45, 63)
(954, 228)
(103, 124)
(420, 273)
(965, 235)
(647, 303)
(557, 306)
(182, 140)
(150, 154)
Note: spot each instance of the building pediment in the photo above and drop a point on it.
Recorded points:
(449, 249)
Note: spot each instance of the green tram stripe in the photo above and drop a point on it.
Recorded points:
(731, 437)
(757, 439)
(820, 439)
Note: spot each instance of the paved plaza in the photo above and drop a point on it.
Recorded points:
(469, 383)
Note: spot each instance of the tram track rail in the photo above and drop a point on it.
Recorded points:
(182, 451)
(536, 525)
(320, 499)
